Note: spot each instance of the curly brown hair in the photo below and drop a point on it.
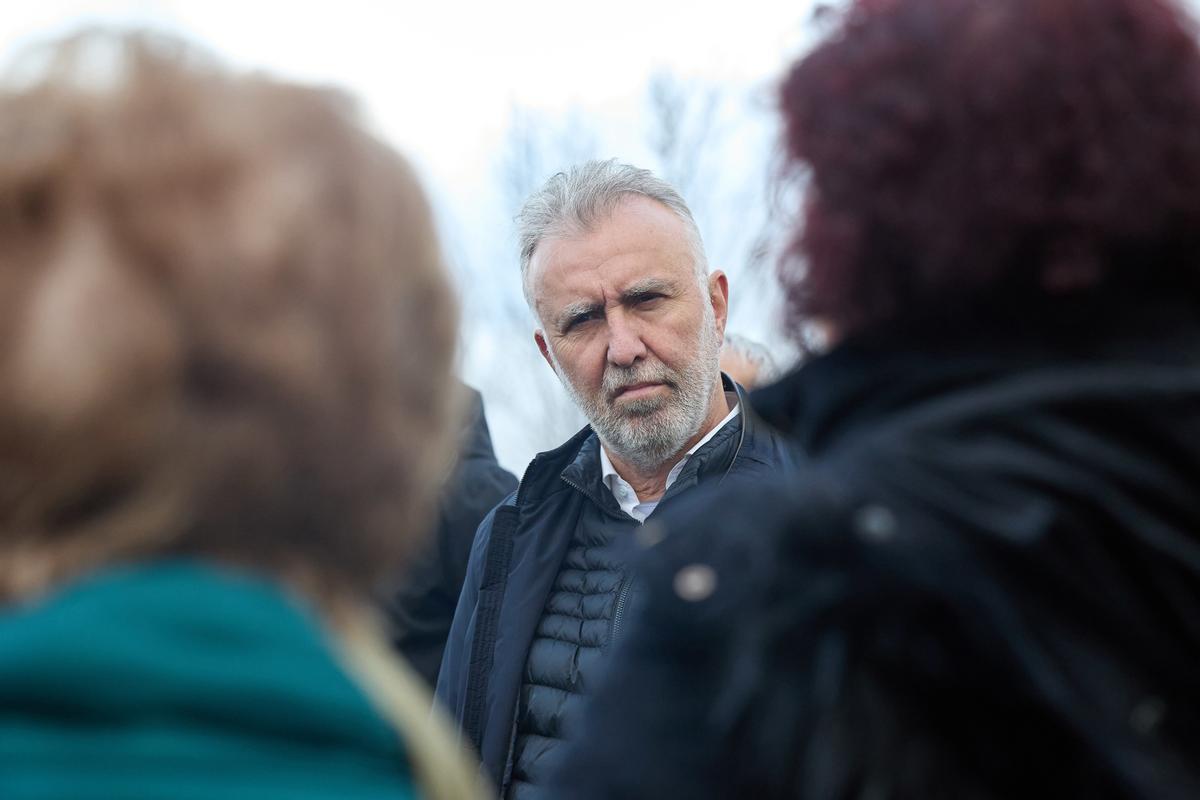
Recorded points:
(225, 325)
(961, 154)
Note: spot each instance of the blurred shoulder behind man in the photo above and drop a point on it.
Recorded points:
(422, 609)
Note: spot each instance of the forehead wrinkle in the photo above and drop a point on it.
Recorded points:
(554, 271)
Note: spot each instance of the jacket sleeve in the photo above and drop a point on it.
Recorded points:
(455, 669)
(422, 608)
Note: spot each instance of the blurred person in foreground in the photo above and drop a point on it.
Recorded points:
(748, 362)
(987, 582)
(215, 431)
(630, 318)
(421, 609)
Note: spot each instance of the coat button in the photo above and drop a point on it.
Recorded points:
(1147, 715)
(695, 582)
(875, 523)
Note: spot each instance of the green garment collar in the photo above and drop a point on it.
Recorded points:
(183, 679)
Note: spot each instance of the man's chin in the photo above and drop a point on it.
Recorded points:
(638, 408)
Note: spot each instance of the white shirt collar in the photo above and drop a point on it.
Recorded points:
(624, 494)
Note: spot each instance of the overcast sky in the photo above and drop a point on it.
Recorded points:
(439, 78)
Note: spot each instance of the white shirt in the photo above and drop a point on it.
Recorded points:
(625, 495)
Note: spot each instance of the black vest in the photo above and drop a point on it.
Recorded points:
(566, 656)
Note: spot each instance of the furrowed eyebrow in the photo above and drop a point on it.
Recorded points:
(647, 286)
(576, 312)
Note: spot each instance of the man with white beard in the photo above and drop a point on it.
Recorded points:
(631, 320)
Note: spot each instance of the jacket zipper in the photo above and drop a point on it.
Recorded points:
(574, 485)
(619, 610)
(506, 777)
(524, 475)
(581, 490)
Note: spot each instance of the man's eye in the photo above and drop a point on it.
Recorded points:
(647, 299)
(580, 319)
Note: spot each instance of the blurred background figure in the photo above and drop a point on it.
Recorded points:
(422, 608)
(987, 583)
(747, 362)
(226, 345)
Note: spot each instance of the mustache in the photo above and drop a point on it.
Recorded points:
(618, 378)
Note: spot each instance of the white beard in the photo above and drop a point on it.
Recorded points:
(647, 432)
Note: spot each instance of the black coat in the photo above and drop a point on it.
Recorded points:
(985, 584)
(517, 556)
(421, 610)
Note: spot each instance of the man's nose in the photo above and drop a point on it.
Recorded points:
(625, 345)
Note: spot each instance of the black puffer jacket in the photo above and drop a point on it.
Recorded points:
(986, 584)
(522, 592)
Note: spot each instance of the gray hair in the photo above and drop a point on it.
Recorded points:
(572, 201)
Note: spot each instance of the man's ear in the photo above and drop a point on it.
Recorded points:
(540, 338)
(718, 295)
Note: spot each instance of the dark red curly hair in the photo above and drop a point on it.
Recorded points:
(963, 153)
